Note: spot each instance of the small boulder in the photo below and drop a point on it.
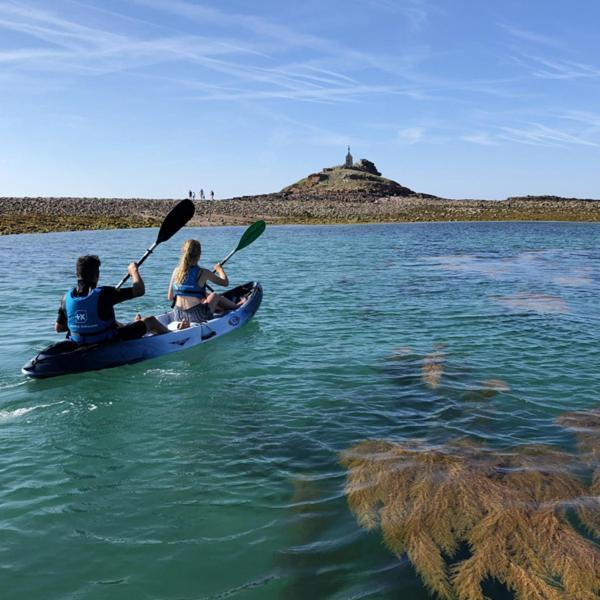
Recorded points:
(366, 165)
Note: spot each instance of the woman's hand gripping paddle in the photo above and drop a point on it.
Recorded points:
(179, 215)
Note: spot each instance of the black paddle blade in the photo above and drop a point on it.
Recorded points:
(254, 231)
(180, 214)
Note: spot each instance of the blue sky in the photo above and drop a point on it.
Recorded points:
(148, 98)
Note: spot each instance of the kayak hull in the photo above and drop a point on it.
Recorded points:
(66, 358)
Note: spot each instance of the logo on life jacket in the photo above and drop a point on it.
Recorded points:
(81, 316)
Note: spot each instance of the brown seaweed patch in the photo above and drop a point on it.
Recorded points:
(586, 426)
(540, 303)
(498, 385)
(432, 367)
(491, 387)
(510, 509)
(466, 263)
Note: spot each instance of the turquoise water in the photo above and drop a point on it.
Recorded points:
(214, 473)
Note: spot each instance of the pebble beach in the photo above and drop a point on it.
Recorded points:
(38, 215)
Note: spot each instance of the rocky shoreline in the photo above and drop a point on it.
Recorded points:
(35, 215)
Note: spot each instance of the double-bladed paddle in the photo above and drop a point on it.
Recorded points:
(178, 216)
(252, 233)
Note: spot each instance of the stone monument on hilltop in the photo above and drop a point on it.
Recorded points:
(350, 179)
(349, 160)
(361, 165)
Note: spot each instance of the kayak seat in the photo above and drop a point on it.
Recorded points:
(173, 325)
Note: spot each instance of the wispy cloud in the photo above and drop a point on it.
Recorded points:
(25, 55)
(241, 57)
(482, 138)
(416, 12)
(244, 57)
(54, 30)
(553, 68)
(536, 134)
(411, 135)
(276, 39)
(534, 126)
(531, 36)
(71, 46)
(228, 67)
(589, 119)
(289, 91)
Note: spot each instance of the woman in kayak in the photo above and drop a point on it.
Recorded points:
(188, 287)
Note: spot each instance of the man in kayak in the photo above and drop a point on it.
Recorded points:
(87, 311)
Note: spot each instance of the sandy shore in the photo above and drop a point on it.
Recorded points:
(30, 215)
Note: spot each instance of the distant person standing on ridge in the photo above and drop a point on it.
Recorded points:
(193, 195)
(190, 194)
(212, 195)
(201, 194)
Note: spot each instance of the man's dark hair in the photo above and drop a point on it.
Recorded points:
(88, 268)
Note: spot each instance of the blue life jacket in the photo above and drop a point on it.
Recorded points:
(190, 286)
(83, 320)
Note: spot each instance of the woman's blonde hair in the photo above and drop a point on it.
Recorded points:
(190, 254)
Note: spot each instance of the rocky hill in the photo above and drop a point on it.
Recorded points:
(351, 193)
(361, 177)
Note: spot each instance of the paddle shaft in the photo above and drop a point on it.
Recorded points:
(227, 257)
(139, 263)
(177, 217)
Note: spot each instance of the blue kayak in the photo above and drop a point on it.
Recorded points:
(67, 357)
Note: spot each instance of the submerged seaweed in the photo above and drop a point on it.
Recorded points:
(440, 375)
(432, 367)
(586, 427)
(509, 511)
(533, 302)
